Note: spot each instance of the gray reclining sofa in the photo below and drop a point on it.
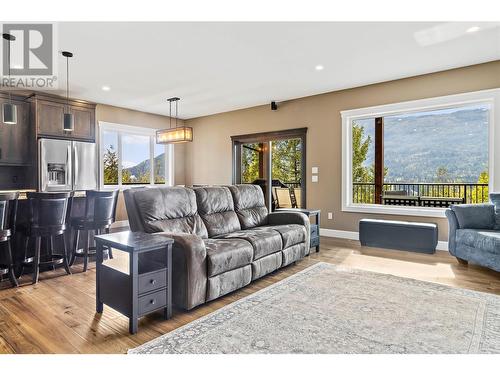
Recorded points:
(224, 236)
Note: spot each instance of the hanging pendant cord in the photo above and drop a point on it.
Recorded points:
(67, 83)
(170, 115)
(176, 113)
(8, 59)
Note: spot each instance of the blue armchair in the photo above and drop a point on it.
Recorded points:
(474, 233)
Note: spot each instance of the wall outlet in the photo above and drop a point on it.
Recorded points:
(315, 178)
(330, 215)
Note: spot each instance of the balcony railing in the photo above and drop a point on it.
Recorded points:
(457, 192)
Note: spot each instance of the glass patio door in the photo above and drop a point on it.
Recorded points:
(274, 161)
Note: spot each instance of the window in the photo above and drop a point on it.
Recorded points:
(419, 157)
(130, 156)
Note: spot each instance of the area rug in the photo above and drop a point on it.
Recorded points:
(331, 309)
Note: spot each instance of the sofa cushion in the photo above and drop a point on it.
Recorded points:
(495, 199)
(475, 216)
(249, 205)
(216, 208)
(227, 254)
(265, 241)
(169, 209)
(291, 234)
(485, 240)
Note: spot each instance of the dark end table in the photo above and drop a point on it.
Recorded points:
(146, 286)
(314, 241)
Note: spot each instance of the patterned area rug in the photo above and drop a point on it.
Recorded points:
(330, 309)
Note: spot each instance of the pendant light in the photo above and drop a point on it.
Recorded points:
(68, 116)
(177, 134)
(9, 110)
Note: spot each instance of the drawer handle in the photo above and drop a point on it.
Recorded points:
(152, 281)
(153, 301)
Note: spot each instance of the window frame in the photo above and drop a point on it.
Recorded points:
(489, 97)
(122, 129)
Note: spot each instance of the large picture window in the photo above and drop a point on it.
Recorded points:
(130, 156)
(419, 157)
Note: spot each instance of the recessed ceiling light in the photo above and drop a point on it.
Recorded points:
(473, 29)
(105, 88)
(319, 67)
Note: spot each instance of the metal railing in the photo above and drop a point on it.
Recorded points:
(469, 192)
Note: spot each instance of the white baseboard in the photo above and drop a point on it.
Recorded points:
(119, 224)
(442, 245)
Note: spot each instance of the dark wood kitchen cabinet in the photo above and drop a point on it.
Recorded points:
(15, 140)
(49, 115)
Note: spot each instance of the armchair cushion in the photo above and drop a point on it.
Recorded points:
(482, 240)
(475, 216)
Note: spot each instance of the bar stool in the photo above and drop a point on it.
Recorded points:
(48, 219)
(100, 213)
(8, 213)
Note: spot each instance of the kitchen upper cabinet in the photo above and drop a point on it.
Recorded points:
(15, 139)
(50, 116)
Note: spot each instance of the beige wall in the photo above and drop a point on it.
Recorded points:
(208, 158)
(136, 118)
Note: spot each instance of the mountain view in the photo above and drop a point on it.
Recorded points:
(438, 146)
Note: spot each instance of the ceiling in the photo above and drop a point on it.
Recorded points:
(218, 67)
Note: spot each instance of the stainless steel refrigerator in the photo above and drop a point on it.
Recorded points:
(66, 165)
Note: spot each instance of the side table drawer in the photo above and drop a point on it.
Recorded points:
(152, 301)
(152, 281)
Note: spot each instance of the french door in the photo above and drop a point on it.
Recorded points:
(275, 161)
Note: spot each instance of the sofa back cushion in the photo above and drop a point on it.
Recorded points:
(216, 208)
(169, 209)
(495, 199)
(249, 205)
(475, 216)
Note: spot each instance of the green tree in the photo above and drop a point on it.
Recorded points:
(110, 166)
(287, 160)
(360, 146)
(480, 193)
(250, 154)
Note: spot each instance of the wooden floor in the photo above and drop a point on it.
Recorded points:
(58, 314)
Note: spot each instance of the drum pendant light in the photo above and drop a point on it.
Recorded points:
(9, 110)
(177, 134)
(68, 116)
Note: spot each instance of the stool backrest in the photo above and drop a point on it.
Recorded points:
(50, 209)
(100, 206)
(8, 211)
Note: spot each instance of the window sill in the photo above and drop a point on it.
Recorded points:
(395, 210)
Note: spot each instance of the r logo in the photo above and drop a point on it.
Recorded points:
(31, 52)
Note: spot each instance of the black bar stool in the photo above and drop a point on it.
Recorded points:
(8, 213)
(48, 219)
(100, 213)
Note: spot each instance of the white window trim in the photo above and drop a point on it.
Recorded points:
(150, 132)
(491, 97)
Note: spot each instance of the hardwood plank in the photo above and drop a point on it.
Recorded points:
(58, 314)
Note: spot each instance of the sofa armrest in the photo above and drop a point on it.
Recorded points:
(452, 230)
(287, 217)
(189, 269)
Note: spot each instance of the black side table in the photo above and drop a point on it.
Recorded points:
(147, 284)
(314, 227)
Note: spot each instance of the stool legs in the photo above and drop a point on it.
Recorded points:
(86, 251)
(75, 247)
(10, 264)
(65, 255)
(36, 259)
